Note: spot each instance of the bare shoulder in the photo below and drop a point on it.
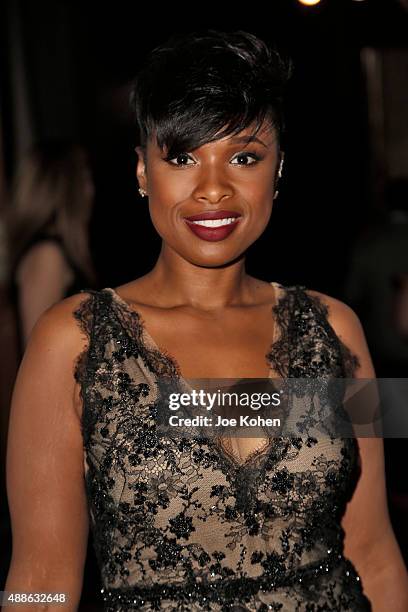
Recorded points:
(59, 327)
(340, 314)
(348, 328)
(54, 351)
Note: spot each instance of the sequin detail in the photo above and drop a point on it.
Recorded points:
(177, 524)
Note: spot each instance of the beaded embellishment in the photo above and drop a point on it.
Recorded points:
(177, 524)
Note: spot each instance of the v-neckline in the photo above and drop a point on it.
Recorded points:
(151, 345)
(149, 342)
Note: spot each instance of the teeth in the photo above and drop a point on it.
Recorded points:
(215, 222)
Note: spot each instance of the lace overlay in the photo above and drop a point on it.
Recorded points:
(179, 524)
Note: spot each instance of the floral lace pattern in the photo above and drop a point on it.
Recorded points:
(179, 524)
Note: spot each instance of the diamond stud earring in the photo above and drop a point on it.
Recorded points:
(142, 192)
(280, 168)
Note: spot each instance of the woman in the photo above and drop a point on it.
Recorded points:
(196, 524)
(48, 230)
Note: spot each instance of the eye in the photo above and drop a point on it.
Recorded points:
(246, 155)
(182, 157)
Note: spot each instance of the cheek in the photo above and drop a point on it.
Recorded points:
(162, 210)
(259, 194)
(258, 183)
(166, 191)
(170, 186)
(159, 215)
(261, 218)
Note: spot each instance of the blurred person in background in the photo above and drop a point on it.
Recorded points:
(377, 287)
(46, 258)
(51, 205)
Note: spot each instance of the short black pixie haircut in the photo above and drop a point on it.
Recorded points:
(206, 85)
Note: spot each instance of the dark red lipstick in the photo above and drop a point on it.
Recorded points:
(213, 233)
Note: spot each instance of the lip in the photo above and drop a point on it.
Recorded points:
(212, 234)
(213, 214)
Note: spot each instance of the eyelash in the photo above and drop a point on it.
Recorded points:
(252, 154)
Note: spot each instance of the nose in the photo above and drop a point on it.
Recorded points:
(212, 187)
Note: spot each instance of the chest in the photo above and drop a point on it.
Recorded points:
(233, 345)
(291, 478)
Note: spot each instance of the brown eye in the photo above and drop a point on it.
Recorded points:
(245, 156)
(182, 158)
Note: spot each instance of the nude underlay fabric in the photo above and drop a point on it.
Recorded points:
(188, 523)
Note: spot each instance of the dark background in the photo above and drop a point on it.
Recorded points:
(65, 72)
(78, 61)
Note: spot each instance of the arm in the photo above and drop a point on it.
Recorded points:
(43, 275)
(369, 538)
(44, 466)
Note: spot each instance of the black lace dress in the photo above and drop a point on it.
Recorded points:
(180, 524)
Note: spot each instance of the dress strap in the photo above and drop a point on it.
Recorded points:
(308, 345)
(337, 357)
(85, 315)
(282, 352)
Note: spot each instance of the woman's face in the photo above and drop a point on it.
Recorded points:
(230, 175)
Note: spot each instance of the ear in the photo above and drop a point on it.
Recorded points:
(141, 167)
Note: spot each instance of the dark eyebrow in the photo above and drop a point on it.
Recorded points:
(239, 139)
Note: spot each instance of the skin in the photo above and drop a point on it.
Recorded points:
(43, 276)
(201, 286)
(202, 290)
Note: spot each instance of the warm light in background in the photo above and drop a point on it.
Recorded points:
(309, 2)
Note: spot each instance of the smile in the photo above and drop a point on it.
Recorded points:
(213, 230)
(215, 222)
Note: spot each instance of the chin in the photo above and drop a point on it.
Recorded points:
(215, 261)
